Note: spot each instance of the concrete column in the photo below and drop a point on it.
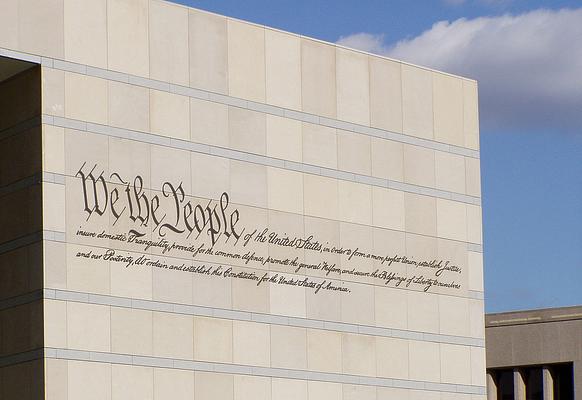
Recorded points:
(518, 385)
(578, 379)
(548, 383)
(491, 386)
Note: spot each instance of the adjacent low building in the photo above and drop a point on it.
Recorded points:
(534, 354)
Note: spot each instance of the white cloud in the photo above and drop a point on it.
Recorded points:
(365, 41)
(529, 66)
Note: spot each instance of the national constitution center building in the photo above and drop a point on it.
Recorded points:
(197, 207)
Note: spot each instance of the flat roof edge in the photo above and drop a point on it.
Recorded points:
(339, 46)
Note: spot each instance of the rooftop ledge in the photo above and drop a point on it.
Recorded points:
(533, 316)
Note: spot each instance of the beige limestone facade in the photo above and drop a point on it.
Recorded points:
(197, 207)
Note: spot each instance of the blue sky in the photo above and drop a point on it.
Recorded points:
(527, 57)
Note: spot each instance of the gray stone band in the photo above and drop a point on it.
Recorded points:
(159, 362)
(472, 294)
(57, 236)
(254, 158)
(113, 301)
(236, 102)
(176, 308)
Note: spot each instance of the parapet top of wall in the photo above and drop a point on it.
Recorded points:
(189, 47)
(525, 317)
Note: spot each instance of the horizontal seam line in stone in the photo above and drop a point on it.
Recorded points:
(167, 87)
(214, 312)
(241, 369)
(258, 159)
(473, 247)
(268, 270)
